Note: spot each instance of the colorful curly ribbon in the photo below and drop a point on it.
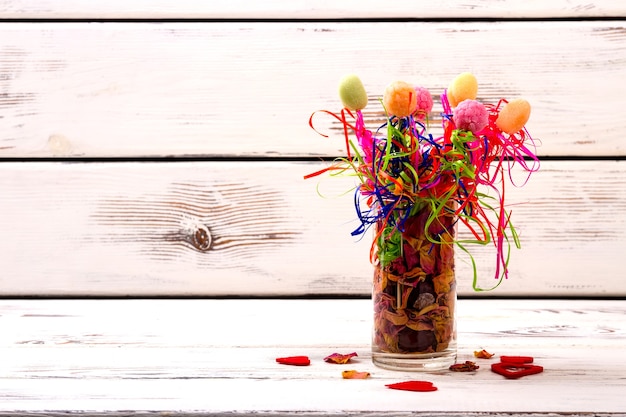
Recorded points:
(407, 169)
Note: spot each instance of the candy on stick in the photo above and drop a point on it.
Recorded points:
(463, 87)
(352, 93)
(513, 116)
(424, 102)
(400, 99)
(471, 115)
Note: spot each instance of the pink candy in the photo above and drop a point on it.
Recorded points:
(424, 102)
(471, 115)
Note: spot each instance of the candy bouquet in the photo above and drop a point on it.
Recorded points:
(415, 191)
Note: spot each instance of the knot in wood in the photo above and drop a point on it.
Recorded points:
(201, 238)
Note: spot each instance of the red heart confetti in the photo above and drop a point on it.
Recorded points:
(515, 370)
(420, 386)
(516, 359)
(294, 360)
(339, 358)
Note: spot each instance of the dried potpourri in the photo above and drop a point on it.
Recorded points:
(483, 354)
(467, 366)
(414, 287)
(352, 374)
(340, 358)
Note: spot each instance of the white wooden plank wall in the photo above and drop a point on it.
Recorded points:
(307, 9)
(130, 228)
(78, 93)
(146, 89)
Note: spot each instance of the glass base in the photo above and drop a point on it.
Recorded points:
(425, 362)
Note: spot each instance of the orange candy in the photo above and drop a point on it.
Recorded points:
(400, 99)
(513, 116)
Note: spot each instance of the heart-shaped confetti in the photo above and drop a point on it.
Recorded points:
(516, 359)
(294, 360)
(420, 386)
(515, 370)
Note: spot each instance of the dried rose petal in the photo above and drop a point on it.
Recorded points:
(294, 360)
(420, 386)
(483, 354)
(340, 358)
(468, 366)
(352, 374)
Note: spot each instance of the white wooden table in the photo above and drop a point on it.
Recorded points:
(217, 357)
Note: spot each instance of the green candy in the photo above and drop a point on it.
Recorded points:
(352, 92)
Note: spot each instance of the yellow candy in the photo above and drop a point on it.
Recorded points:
(513, 116)
(352, 93)
(463, 87)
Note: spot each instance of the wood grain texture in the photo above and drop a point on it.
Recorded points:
(259, 228)
(312, 9)
(245, 88)
(216, 357)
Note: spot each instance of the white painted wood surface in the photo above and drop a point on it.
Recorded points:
(217, 357)
(143, 229)
(310, 9)
(248, 88)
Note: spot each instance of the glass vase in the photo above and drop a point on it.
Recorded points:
(414, 291)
